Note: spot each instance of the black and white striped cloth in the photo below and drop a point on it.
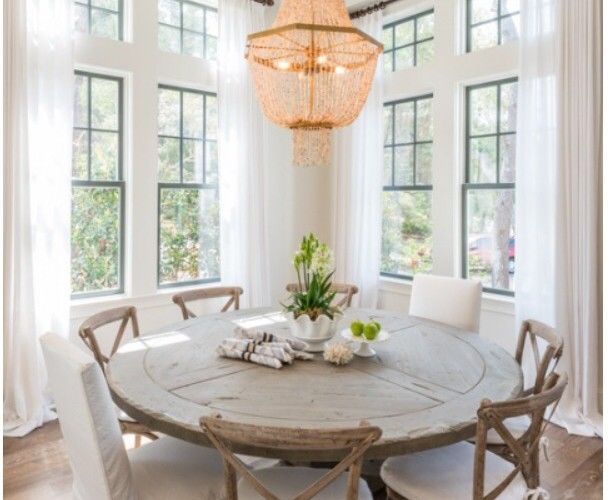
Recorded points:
(263, 348)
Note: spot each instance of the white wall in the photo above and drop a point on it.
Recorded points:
(298, 200)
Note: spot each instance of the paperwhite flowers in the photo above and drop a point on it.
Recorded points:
(338, 354)
(322, 260)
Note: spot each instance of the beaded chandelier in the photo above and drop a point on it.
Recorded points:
(312, 71)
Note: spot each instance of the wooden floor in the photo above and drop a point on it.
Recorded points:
(36, 466)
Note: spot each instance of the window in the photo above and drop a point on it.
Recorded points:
(98, 188)
(103, 18)
(406, 232)
(491, 22)
(488, 192)
(408, 42)
(188, 227)
(188, 27)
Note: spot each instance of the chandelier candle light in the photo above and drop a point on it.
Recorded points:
(312, 71)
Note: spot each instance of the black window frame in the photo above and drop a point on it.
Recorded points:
(182, 29)
(414, 187)
(181, 184)
(468, 186)
(90, 8)
(416, 41)
(497, 20)
(119, 183)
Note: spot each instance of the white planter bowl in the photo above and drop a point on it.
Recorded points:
(303, 328)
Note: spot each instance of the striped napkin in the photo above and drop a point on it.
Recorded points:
(263, 348)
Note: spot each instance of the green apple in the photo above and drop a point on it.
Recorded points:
(378, 325)
(370, 331)
(357, 328)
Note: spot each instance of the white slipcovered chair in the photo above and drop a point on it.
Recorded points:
(103, 470)
(451, 301)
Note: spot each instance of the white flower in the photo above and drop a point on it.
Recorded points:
(322, 261)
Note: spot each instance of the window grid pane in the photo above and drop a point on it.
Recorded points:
(491, 23)
(188, 224)
(98, 188)
(102, 18)
(409, 42)
(188, 27)
(406, 229)
(488, 192)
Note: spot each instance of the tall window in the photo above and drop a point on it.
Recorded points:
(188, 228)
(488, 193)
(98, 188)
(103, 18)
(491, 22)
(406, 233)
(188, 27)
(409, 42)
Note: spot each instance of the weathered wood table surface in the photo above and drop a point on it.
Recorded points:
(422, 389)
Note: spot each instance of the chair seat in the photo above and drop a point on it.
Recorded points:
(447, 473)
(171, 468)
(287, 482)
(516, 425)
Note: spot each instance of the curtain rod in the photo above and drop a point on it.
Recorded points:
(372, 8)
(354, 15)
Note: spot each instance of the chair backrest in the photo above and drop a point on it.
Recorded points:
(88, 422)
(86, 331)
(524, 450)
(535, 331)
(451, 301)
(345, 290)
(232, 292)
(355, 441)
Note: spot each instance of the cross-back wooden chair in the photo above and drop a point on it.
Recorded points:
(86, 331)
(232, 292)
(447, 472)
(345, 290)
(534, 333)
(355, 441)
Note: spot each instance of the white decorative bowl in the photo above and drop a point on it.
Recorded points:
(314, 333)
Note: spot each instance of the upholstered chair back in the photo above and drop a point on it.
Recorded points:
(451, 301)
(88, 422)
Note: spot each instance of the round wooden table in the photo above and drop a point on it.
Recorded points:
(422, 389)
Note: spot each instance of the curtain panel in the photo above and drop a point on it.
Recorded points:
(243, 232)
(357, 187)
(558, 193)
(37, 171)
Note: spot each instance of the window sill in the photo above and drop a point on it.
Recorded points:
(82, 308)
(501, 304)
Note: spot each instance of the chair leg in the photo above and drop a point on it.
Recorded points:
(138, 440)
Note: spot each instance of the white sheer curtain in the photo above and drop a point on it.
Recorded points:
(243, 234)
(357, 187)
(37, 161)
(558, 191)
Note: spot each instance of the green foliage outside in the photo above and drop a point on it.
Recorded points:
(406, 246)
(95, 239)
(190, 235)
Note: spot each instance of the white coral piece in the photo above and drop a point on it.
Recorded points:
(339, 353)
